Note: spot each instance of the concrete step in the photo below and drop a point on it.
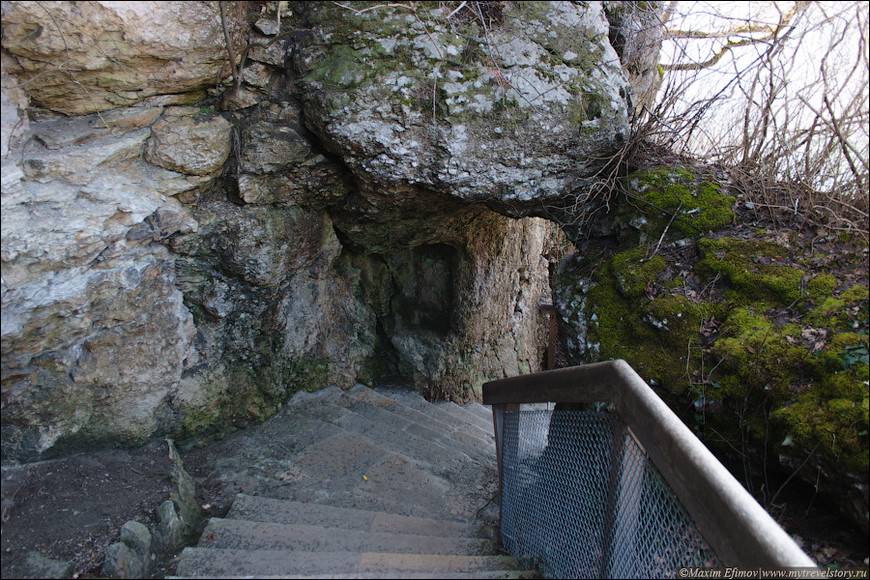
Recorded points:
(440, 412)
(263, 509)
(418, 423)
(226, 563)
(482, 420)
(349, 471)
(459, 423)
(471, 440)
(409, 399)
(426, 442)
(247, 535)
(482, 411)
(357, 484)
(333, 406)
(381, 426)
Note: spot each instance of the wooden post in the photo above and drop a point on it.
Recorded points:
(551, 313)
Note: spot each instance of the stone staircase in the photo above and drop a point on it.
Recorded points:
(359, 484)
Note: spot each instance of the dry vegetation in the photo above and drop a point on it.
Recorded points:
(776, 94)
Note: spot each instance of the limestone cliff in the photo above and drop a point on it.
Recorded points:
(183, 250)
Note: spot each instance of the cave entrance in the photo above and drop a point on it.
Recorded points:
(425, 293)
(414, 293)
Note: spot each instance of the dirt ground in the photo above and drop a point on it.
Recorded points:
(71, 510)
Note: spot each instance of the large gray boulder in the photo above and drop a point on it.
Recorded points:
(514, 106)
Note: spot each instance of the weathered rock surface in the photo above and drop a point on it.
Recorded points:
(173, 270)
(440, 321)
(186, 144)
(636, 34)
(511, 109)
(79, 58)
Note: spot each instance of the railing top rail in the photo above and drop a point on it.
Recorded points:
(738, 529)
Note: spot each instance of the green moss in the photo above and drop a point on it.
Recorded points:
(771, 372)
(676, 316)
(821, 285)
(845, 312)
(651, 334)
(671, 192)
(833, 417)
(756, 355)
(672, 198)
(632, 273)
(745, 266)
(811, 396)
(856, 294)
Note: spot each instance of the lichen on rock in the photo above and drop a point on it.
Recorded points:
(414, 97)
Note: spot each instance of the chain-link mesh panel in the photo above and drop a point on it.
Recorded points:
(581, 500)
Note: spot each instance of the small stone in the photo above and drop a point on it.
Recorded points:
(137, 536)
(272, 54)
(170, 529)
(187, 145)
(122, 561)
(256, 74)
(267, 26)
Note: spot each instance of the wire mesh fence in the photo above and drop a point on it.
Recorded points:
(580, 499)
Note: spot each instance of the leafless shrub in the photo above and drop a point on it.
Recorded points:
(779, 97)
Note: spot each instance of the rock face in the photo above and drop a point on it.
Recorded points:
(358, 206)
(82, 58)
(636, 34)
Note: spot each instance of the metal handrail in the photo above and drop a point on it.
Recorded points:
(736, 527)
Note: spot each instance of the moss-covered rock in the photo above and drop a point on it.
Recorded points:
(753, 270)
(428, 94)
(761, 355)
(672, 200)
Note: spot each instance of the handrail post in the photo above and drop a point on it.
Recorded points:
(612, 507)
(498, 426)
(498, 411)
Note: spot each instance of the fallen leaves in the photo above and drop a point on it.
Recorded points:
(813, 339)
(709, 331)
